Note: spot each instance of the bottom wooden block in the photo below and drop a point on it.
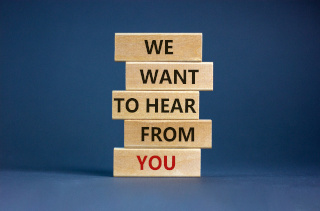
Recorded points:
(156, 162)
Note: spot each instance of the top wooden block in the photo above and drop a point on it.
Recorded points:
(158, 47)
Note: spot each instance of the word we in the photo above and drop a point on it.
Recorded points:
(158, 49)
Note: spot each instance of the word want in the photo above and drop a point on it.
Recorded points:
(173, 164)
(176, 105)
(166, 76)
(156, 132)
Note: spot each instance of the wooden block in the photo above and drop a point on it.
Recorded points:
(169, 76)
(158, 47)
(156, 162)
(155, 105)
(168, 133)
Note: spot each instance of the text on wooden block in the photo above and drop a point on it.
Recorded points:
(168, 133)
(169, 76)
(156, 162)
(155, 105)
(158, 47)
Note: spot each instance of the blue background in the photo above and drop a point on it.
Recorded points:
(57, 73)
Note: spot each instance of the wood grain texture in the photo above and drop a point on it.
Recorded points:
(167, 76)
(132, 47)
(172, 101)
(167, 134)
(152, 163)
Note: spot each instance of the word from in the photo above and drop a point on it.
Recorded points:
(156, 131)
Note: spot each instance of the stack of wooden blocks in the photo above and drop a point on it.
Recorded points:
(163, 135)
